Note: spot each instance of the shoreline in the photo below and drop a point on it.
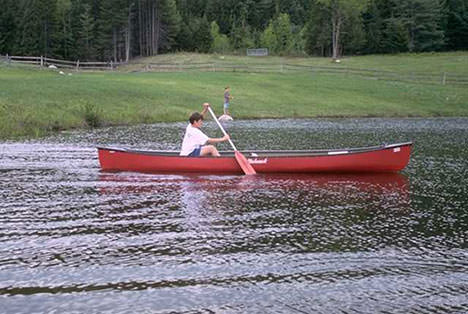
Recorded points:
(71, 130)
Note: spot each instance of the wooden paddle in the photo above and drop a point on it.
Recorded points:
(241, 160)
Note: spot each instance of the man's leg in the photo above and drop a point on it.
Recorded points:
(209, 150)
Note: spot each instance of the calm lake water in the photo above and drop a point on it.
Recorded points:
(77, 240)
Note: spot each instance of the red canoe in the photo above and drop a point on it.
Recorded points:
(384, 158)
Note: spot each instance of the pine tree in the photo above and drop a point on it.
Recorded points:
(8, 26)
(201, 35)
(283, 32)
(268, 38)
(185, 38)
(386, 27)
(220, 42)
(423, 21)
(278, 36)
(299, 42)
(171, 22)
(318, 30)
(457, 24)
(353, 39)
(254, 18)
(266, 11)
(28, 41)
(86, 34)
(64, 35)
(396, 36)
(241, 36)
(111, 25)
(48, 17)
(373, 20)
(296, 10)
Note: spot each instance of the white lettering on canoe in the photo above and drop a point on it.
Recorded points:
(396, 150)
(257, 161)
(338, 153)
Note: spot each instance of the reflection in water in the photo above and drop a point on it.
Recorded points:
(77, 240)
(292, 200)
(197, 190)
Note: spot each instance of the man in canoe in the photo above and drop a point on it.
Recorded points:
(195, 141)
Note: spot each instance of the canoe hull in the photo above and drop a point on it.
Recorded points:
(389, 158)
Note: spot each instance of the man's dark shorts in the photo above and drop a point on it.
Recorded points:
(196, 152)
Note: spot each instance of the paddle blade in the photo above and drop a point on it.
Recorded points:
(244, 163)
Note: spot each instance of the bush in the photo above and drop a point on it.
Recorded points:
(92, 115)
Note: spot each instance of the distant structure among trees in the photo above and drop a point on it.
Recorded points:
(119, 30)
(257, 52)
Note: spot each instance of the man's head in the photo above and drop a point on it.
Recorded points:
(196, 118)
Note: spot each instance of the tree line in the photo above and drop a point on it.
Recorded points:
(120, 30)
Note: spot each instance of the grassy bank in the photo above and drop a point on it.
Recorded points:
(450, 62)
(36, 101)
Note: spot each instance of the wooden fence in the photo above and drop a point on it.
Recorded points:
(443, 78)
(50, 62)
(438, 78)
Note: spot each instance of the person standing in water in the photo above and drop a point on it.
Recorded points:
(227, 99)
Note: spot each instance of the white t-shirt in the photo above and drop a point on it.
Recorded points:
(193, 139)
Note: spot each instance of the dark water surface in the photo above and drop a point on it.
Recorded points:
(77, 240)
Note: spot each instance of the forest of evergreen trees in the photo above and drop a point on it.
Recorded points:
(124, 29)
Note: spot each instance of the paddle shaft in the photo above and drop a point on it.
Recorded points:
(221, 127)
(241, 160)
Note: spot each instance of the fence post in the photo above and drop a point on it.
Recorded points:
(77, 65)
(112, 65)
(444, 78)
(42, 61)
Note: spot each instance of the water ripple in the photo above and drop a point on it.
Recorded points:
(77, 240)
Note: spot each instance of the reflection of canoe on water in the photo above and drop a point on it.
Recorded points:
(385, 158)
(122, 182)
(389, 188)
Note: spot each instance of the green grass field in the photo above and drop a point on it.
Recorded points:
(450, 62)
(36, 101)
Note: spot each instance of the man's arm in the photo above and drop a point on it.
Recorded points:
(217, 140)
(205, 108)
